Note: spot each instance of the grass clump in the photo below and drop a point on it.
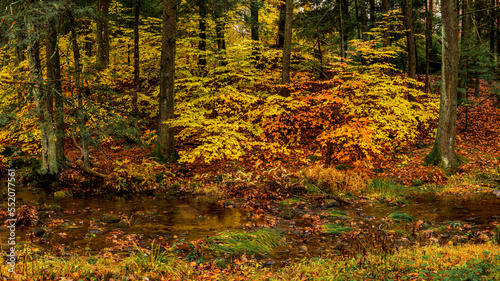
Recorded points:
(335, 180)
(332, 228)
(258, 242)
(400, 217)
(338, 213)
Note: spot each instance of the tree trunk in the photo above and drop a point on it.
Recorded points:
(254, 26)
(287, 48)
(443, 152)
(166, 148)
(412, 55)
(54, 82)
(219, 32)
(281, 26)
(102, 34)
(50, 167)
(465, 45)
(137, 82)
(202, 43)
(80, 111)
(429, 6)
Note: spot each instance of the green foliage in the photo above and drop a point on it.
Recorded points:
(258, 242)
(400, 217)
(331, 228)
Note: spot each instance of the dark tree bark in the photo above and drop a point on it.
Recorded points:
(464, 65)
(102, 34)
(50, 167)
(429, 6)
(137, 81)
(202, 43)
(166, 142)
(492, 19)
(254, 26)
(80, 112)
(287, 48)
(412, 55)
(54, 82)
(443, 152)
(281, 27)
(219, 32)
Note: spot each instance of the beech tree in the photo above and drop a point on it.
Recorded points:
(166, 148)
(443, 152)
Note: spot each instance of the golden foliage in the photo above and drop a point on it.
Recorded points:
(335, 180)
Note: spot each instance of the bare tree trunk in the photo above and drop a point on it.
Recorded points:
(429, 6)
(103, 34)
(219, 31)
(202, 43)
(412, 55)
(443, 152)
(54, 83)
(465, 44)
(281, 26)
(254, 26)
(50, 167)
(81, 113)
(166, 145)
(137, 81)
(287, 48)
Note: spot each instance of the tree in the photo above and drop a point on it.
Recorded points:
(428, 40)
(166, 148)
(50, 167)
(412, 54)
(202, 43)
(287, 47)
(102, 34)
(254, 27)
(443, 152)
(54, 91)
(137, 8)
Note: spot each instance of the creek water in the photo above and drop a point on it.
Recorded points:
(78, 224)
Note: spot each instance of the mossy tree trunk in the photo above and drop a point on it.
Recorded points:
(54, 82)
(50, 167)
(166, 147)
(137, 81)
(443, 152)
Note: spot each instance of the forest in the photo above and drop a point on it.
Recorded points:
(250, 140)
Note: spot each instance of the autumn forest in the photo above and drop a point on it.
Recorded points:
(250, 139)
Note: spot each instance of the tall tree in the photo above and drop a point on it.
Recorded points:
(166, 145)
(219, 31)
(50, 167)
(287, 47)
(429, 7)
(137, 81)
(54, 82)
(443, 152)
(254, 27)
(281, 26)
(102, 33)
(202, 35)
(81, 114)
(412, 55)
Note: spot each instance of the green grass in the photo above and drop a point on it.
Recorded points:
(258, 242)
(332, 228)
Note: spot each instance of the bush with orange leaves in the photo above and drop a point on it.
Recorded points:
(333, 180)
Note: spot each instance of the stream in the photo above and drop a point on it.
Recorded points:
(97, 223)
